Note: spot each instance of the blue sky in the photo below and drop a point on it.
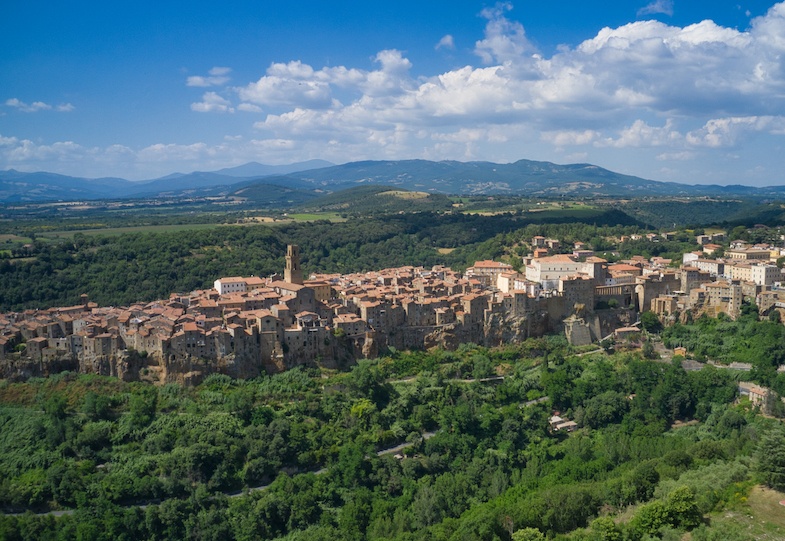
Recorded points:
(684, 90)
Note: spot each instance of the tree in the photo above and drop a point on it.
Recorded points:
(142, 406)
(650, 519)
(528, 534)
(605, 408)
(738, 233)
(605, 529)
(683, 509)
(771, 458)
(650, 322)
(96, 406)
(749, 309)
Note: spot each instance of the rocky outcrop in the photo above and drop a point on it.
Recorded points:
(16, 368)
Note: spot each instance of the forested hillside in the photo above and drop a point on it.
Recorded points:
(483, 462)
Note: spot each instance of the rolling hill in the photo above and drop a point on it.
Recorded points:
(524, 177)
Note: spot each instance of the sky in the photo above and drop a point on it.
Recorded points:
(690, 91)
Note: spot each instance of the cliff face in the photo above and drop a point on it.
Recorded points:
(498, 328)
(501, 329)
(607, 321)
(15, 368)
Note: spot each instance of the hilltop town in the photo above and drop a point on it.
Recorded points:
(246, 326)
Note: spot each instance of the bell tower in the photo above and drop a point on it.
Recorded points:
(293, 274)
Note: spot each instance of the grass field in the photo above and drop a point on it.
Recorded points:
(14, 238)
(109, 231)
(313, 216)
(405, 195)
(760, 517)
(130, 229)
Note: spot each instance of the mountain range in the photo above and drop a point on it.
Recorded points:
(317, 177)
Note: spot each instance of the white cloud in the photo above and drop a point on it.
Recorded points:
(217, 76)
(152, 161)
(212, 103)
(37, 106)
(570, 137)
(657, 6)
(640, 134)
(609, 92)
(603, 80)
(249, 108)
(296, 84)
(289, 84)
(15, 151)
(447, 42)
(505, 40)
(728, 132)
(684, 155)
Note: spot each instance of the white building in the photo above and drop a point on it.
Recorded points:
(232, 284)
(548, 270)
(766, 275)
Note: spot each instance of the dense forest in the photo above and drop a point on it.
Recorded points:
(482, 461)
(745, 340)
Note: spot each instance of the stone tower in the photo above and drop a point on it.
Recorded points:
(293, 273)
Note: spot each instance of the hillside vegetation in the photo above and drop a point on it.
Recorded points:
(482, 461)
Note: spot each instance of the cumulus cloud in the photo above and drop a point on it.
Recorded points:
(295, 84)
(249, 108)
(570, 137)
(217, 76)
(684, 155)
(37, 106)
(446, 42)
(658, 6)
(289, 84)
(15, 151)
(608, 92)
(641, 134)
(151, 161)
(212, 103)
(606, 78)
(505, 40)
(727, 132)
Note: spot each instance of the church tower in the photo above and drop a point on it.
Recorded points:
(293, 273)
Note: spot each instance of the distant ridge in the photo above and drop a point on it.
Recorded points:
(20, 187)
(524, 177)
(253, 169)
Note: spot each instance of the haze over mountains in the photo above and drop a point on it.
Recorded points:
(524, 177)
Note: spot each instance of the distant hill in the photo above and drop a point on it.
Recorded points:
(17, 186)
(524, 177)
(378, 198)
(274, 193)
(255, 169)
